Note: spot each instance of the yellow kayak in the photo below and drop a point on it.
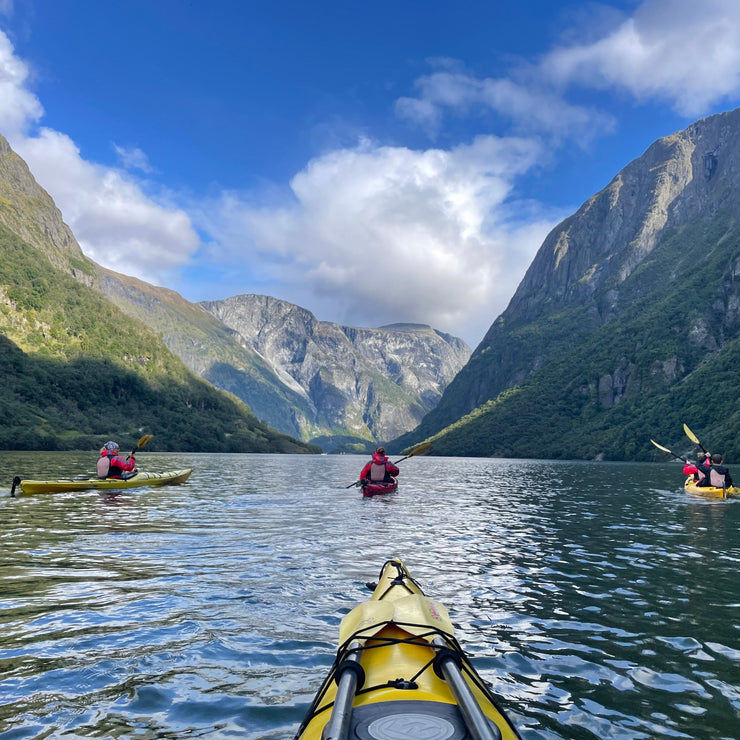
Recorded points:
(400, 674)
(710, 491)
(105, 484)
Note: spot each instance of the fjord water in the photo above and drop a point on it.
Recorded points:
(597, 599)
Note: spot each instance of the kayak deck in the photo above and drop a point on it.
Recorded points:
(171, 477)
(400, 674)
(709, 491)
(378, 488)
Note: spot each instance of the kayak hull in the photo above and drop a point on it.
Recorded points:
(709, 491)
(378, 489)
(397, 647)
(171, 477)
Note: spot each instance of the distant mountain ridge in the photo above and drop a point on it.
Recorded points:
(75, 370)
(360, 384)
(626, 323)
(345, 396)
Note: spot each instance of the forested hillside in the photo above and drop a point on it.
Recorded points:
(75, 371)
(626, 325)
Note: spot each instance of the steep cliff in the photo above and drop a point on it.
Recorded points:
(626, 306)
(362, 384)
(342, 387)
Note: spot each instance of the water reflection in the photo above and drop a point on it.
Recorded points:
(599, 600)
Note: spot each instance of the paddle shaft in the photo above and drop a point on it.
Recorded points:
(337, 728)
(670, 452)
(475, 721)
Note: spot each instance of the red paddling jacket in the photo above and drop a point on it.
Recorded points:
(380, 468)
(113, 466)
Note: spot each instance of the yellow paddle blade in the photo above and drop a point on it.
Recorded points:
(660, 447)
(691, 435)
(420, 450)
(143, 440)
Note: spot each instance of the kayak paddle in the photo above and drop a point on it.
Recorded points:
(693, 437)
(420, 450)
(416, 451)
(142, 441)
(670, 452)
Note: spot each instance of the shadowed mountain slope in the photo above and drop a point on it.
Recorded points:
(626, 324)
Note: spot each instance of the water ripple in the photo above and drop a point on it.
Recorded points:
(598, 600)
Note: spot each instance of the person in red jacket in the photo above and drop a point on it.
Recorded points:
(380, 468)
(111, 465)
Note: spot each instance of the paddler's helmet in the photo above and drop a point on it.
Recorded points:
(111, 446)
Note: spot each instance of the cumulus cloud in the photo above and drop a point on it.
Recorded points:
(114, 220)
(678, 51)
(18, 106)
(391, 234)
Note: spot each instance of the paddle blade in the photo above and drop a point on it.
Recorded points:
(690, 435)
(420, 450)
(142, 441)
(693, 438)
(660, 447)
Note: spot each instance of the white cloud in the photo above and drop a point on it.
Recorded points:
(678, 51)
(392, 234)
(133, 158)
(115, 222)
(528, 103)
(18, 107)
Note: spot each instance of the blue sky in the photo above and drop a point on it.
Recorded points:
(372, 162)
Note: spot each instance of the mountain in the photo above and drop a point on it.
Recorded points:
(625, 325)
(360, 385)
(343, 388)
(209, 349)
(74, 369)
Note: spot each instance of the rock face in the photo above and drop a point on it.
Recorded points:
(348, 387)
(368, 384)
(662, 236)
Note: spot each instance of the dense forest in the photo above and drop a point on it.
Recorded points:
(75, 371)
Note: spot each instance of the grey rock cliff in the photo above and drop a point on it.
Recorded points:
(669, 219)
(372, 384)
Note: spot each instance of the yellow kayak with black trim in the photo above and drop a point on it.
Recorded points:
(400, 674)
(141, 478)
(710, 491)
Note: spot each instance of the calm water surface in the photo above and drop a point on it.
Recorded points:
(599, 600)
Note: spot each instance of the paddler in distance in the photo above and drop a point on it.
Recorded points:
(380, 468)
(111, 465)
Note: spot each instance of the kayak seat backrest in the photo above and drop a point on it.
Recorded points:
(716, 478)
(377, 472)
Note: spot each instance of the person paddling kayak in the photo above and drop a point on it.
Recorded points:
(715, 473)
(111, 465)
(380, 468)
